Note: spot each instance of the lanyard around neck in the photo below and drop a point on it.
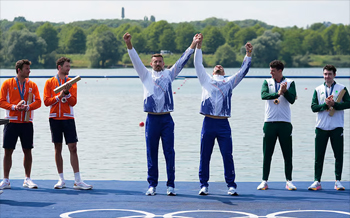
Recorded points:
(277, 86)
(59, 81)
(21, 92)
(332, 87)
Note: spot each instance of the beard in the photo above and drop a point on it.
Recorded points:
(218, 72)
(158, 68)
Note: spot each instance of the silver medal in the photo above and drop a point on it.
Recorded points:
(64, 100)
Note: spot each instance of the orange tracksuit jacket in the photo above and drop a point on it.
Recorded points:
(10, 97)
(59, 110)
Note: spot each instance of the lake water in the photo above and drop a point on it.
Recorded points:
(112, 146)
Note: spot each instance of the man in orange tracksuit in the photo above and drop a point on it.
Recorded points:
(62, 121)
(14, 98)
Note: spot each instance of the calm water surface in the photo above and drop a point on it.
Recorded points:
(112, 146)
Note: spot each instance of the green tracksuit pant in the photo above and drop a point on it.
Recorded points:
(282, 131)
(337, 142)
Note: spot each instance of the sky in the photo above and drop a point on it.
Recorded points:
(281, 13)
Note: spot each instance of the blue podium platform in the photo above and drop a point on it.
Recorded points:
(127, 199)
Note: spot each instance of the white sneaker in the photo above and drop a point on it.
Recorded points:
(290, 186)
(338, 186)
(151, 191)
(263, 185)
(170, 191)
(315, 186)
(60, 184)
(232, 191)
(82, 185)
(29, 183)
(204, 191)
(4, 184)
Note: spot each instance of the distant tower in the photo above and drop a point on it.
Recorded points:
(152, 18)
(123, 15)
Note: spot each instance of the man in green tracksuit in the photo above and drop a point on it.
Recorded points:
(329, 126)
(279, 92)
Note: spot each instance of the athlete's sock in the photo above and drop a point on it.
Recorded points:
(77, 177)
(61, 176)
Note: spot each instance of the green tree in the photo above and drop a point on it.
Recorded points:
(341, 41)
(63, 33)
(49, 34)
(314, 43)
(229, 32)
(266, 48)
(225, 56)
(317, 27)
(259, 30)
(167, 40)
(25, 45)
(139, 41)
(18, 26)
(153, 34)
(76, 42)
(291, 44)
(184, 36)
(19, 19)
(103, 49)
(243, 36)
(327, 36)
(213, 38)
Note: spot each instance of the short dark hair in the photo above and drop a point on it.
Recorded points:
(20, 63)
(61, 61)
(330, 68)
(277, 64)
(157, 56)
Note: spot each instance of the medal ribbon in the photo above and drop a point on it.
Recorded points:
(277, 86)
(21, 92)
(59, 81)
(332, 87)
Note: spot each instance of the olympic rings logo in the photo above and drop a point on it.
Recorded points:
(182, 214)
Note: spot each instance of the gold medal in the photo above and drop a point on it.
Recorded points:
(276, 101)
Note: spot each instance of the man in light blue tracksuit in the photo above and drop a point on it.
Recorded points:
(158, 103)
(216, 107)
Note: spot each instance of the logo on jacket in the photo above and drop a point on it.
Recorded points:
(15, 88)
(322, 93)
(30, 90)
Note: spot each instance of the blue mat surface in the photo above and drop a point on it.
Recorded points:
(127, 199)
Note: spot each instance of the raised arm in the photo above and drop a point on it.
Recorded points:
(237, 78)
(135, 59)
(179, 65)
(198, 62)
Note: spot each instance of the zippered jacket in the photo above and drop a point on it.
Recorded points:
(58, 109)
(10, 96)
(217, 89)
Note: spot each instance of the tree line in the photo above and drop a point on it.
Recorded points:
(101, 41)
